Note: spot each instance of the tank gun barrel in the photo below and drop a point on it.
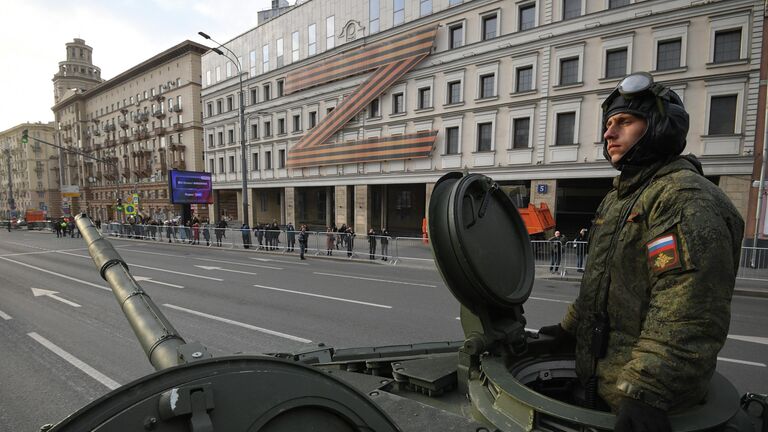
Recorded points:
(159, 340)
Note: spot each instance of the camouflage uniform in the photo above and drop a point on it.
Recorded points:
(668, 308)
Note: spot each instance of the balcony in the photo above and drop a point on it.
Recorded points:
(109, 142)
(179, 165)
(143, 172)
(159, 131)
(97, 146)
(176, 109)
(178, 147)
(126, 172)
(124, 140)
(124, 124)
(160, 165)
(143, 134)
(158, 114)
(178, 126)
(109, 176)
(96, 132)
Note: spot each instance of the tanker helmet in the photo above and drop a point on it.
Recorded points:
(662, 109)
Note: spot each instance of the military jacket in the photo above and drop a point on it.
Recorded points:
(663, 255)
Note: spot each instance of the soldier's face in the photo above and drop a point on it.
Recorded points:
(622, 132)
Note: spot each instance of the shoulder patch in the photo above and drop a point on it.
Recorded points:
(663, 253)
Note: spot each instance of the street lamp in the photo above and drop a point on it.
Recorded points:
(243, 160)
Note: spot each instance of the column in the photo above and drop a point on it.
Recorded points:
(340, 192)
(290, 205)
(361, 209)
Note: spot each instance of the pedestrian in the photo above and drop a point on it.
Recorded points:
(274, 231)
(291, 235)
(556, 244)
(371, 243)
(341, 240)
(329, 241)
(195, 231)
(302, 241)
(9, 225)
(220, 231)
(653, 308)
(260, 234)
(245, 230)
(206, 228)
(384, 244)
(580, 244)
(350, 241)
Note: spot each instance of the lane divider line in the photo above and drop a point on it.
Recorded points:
(57, 274)
(375, 280)
(744, 362)
(154, 268)
(5, 316)
(74, 361)
(237, 323)
(325, 297)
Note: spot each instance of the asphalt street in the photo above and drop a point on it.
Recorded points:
(64, 341)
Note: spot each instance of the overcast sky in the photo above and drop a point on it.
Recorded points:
(122, 33)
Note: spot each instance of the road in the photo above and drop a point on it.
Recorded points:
(65, 342)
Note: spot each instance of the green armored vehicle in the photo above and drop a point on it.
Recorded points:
(500, 378)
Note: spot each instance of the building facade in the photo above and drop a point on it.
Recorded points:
(34, 171)
(126, 133)
(355, 108)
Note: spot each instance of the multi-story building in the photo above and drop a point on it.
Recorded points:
(129, 131)
(355, 108)
(34, 171)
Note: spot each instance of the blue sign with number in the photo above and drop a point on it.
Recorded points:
(542, 188)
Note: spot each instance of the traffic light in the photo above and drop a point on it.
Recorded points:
(24, 136)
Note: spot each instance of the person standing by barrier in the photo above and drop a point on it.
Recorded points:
(245, 230)
(556, 243)
(371, 243)
(206, 228)
(291, 235)
(350, 241)
(342, 238)
(219, 231)
(580, 244)
(329, 241)
(653, 309)
(384, 244)
(302, 241)
(195, 231)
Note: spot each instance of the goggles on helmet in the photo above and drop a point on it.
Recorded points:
(635, 86)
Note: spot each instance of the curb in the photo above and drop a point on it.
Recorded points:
(745, 292)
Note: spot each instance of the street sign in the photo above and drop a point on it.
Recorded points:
(542, 188)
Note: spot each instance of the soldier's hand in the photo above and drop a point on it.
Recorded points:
(638, 416)
(562, 339)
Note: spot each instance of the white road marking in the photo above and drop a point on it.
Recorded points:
(149, 279)
(551, 300)
(279, 261)
(374, 279)
(753, 339)
(74, 361)
(43, 251)
(744, 362)
(237, 323)
(238, 263)
(209, 268)
(5, 316)
(154, 268)
(37, 292)
(325, 297)
(57, 274)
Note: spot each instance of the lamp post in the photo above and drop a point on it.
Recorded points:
(243, 156)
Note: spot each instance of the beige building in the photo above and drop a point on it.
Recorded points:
(126, 133)
(34, 170)
(355, 108)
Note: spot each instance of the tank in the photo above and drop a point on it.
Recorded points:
(499, 378)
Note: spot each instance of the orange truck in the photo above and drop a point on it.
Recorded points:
(537, 219)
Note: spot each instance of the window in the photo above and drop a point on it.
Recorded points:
(312, 39)
(456, 35)
(209, 109)
(454, 2)
(210, 140)
(254, 131)
(229, 69)
(452, 140)
(230, 136)
(668, 54)
(527, 19)
(254, 96)
(373, 109)
(489, 26)
(252, 58)
(487, 89)
(524, 79)
(280, 126)
(281, 158)
(267, 92)
(565, 126)
(454, 92)
(268, 159)
(330, 40)
(727, 45)
(373, 16)
(616, 63)
(571, 9)
(255, 161)
(569, 71)
(265, 58)
(280, 52)
(221, 164)
(219, 109)
(230, 103)
(211, 165)
(218, 78)
(296, 122)
(398, 103)
(425, 97)
(267, 129)
(613, 4)
(722, 115)
(398, 8)
(521, 132)
(220, 141)
(280, 87)
(312, 119)
(425, 8)
(295, 46)
(231, 164)
(484, 136)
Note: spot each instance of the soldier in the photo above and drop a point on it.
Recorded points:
(654, 305)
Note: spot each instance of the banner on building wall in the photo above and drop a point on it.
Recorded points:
(390, 59)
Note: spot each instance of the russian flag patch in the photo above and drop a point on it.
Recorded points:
(663, 253)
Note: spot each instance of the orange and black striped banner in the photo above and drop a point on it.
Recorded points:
(392, 59)
(416, 145)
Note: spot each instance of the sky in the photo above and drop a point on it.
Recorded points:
(122, 33)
